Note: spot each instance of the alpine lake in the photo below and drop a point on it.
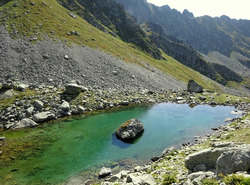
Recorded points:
(55, 152)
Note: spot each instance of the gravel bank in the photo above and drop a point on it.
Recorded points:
(51, 62)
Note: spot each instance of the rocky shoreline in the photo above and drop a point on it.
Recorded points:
(209, 158)
(27, 105)
(36, 104)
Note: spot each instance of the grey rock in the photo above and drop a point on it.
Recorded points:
(38, 104)
(73, 15)
(155, 158)
(194, 87)
(234, 160)
(222, 144)
(137, 169)
(129, 130)
(208, 157)
(114, 178)
(2, 138)
(26, 122)
(124, 103)
(65, 106)
(66, 57)
(105, 172)
(147, 180)
(30, 110)
(144, 179)
(196, 175)
(43, 116)
(22, 87)
(8, 93)
(167, 150)
(81, 109)
(200, 167)
(73, 89)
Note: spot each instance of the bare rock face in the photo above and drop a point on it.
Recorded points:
(130, 130)
(234, 160)
(194, 87)
(225, 158)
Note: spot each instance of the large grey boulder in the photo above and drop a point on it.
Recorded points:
(207, 157)
(226, 158)
(26, 122)
(138, 179)
(65, 106)
(234, 160)
(194, 87)
(129, 130)
(6, 93)
(43, 116)
(38, 104)
(73, 89)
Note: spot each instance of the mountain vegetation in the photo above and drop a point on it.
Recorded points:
(106, 26)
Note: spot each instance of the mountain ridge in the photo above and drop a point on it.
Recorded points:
(205, 34)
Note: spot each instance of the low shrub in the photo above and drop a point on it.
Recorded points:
(168, 179)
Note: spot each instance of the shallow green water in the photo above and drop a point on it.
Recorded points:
(81, 144)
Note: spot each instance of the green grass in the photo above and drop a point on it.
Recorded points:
(49, 19)
(18, 95)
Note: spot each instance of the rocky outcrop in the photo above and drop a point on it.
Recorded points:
(129, 130)
(234, 160)
(43, 116)
(208, 157)
(194, 87)
(225, 158)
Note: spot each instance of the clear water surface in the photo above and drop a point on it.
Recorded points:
(84, 143)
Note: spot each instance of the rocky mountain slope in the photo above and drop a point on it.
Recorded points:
(188, 56)
(109, 16)
(40, 38)
(50, 62)
(205, 34)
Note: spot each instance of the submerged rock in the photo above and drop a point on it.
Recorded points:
(130, 130)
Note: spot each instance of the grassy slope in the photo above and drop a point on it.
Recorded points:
(49, 18)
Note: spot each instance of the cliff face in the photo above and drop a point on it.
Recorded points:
(204, 34)
(188, 56)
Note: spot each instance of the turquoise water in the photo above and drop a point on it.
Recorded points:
(83, 143)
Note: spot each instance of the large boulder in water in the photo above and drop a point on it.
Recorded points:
(194, 87)
(130, 130)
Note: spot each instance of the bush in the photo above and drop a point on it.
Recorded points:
(236, 180)
(209, 182)
(169, 179)
(246, 181)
